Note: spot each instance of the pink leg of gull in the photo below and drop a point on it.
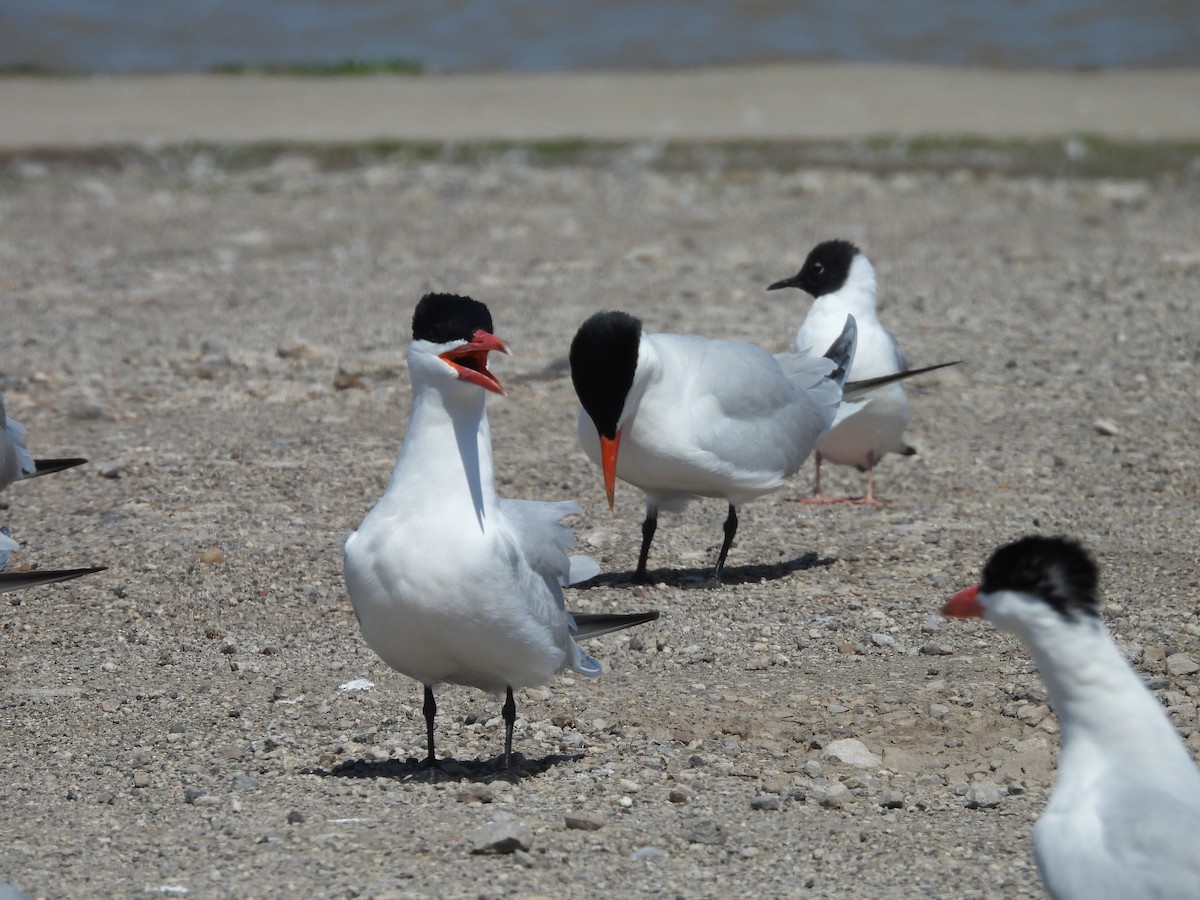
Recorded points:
(816, 498)
(870, 499)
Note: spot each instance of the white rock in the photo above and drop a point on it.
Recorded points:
(833, 795)
(983, 795)
(852, 752)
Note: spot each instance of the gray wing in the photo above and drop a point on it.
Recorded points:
(770, 409)
(541, 537)
(16, 462)
(901, 359)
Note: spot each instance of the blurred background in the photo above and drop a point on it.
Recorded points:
(110, 36)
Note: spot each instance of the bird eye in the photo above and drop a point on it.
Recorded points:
(820, 267)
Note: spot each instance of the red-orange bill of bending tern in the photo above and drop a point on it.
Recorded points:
(964, 605)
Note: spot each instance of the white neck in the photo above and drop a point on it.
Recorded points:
(857, 295)
(1103, 707)
(447, 454)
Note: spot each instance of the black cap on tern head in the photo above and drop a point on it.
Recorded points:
(442, 318)
(603, 358)
(1056, 569)
(825, 269)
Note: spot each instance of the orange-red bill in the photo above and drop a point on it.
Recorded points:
(965, 604)
(608, 463)
(469, 360)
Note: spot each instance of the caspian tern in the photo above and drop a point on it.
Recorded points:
(1123, 820)
(683, 417)
(450, 582)
(17, 464)
(842, 281)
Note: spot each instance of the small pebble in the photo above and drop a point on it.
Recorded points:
(584, 822)
(891, 799)
(707, 832)
(500, 838)
(936, 650)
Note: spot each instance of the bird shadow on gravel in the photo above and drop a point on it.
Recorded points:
(483, 771)
(702, 579)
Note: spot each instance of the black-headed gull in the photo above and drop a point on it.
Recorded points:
(450, 582)
(1123, 820)
(842, 280)
(683, 417)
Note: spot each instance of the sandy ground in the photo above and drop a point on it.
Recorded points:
(798, 102)
(227, 348)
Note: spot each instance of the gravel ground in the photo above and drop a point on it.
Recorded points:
(227, 348)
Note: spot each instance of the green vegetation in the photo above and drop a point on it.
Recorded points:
(33, 70)
(339, 69)
(1072, 157)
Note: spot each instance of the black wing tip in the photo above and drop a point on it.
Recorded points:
(632, 618)
(14, 581)
(841, 351)
(590, 625)
(934, 367)
(50, 466)
(867, 383)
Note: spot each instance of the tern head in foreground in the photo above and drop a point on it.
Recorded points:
(450, 582)
(841, 280)
(1123, 818)
(681, 416)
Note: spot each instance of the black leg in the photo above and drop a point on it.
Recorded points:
(509, 711)
(730, 530)
(648, 528)
(430, 710)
